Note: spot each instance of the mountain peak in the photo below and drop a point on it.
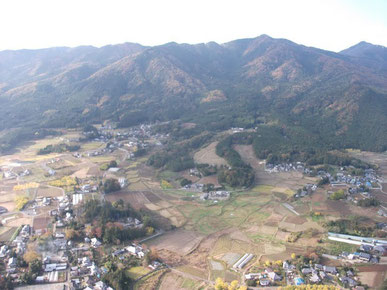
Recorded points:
(368, 54)
(361, 46)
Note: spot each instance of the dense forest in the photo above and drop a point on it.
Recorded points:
(177, 155)
(239, 174)
(58, 148)
(318, 99)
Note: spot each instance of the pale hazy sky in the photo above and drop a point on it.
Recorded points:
(327, 24)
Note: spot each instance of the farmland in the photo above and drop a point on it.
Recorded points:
(200, 240)
(208, 155)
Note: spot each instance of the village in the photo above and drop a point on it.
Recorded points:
(302, 270)
(85, 230)
(65, 257)
(50, 252)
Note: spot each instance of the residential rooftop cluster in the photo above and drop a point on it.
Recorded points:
(296, 273)
(215, 195)
(286, 167)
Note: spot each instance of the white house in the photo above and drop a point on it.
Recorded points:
(135, 250)
(95, 243)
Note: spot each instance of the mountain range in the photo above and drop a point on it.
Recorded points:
(342, 96)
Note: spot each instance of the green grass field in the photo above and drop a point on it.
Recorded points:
(137, 272)
(336, 248)
(263, 188)
(102, 159)
(91, 146)
(169, 175)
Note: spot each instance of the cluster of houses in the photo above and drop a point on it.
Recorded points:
(136, 251)
(266, 278)
(99, 285)
(194, 172)
(215, 195)
(286, 167)
(342, 178)
(86, 188)
(9, 253)
(359, 257)
(194, 187)
(310, 274)
(53, 269)
(11, 174)
(308, 189)
(237, 130)
(86, 274)
(98, 152)
(133, 138)
(370, 249)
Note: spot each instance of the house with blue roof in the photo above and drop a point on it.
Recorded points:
(299, 281)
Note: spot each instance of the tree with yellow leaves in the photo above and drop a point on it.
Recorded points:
(20, 202)
(72, 234)
(220, 284)
(165, 184)
(30, 256)
(278, 263)
(233, 285)
(149, 230)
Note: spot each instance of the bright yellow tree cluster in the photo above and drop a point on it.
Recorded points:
(20, 202)
(278, 262)
(65, 181)
(26, 186)
(267, 263)
(166, 185)
(234, 285)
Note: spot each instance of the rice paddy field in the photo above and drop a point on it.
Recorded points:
(136, 272)
(202, 239)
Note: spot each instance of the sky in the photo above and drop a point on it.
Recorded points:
(329, 24)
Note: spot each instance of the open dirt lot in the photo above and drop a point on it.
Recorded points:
(208, 155)
(20, 220)
(282, 180)
(49, 191)
(179, 241)
(209, 179)
(373, 275)
(41, 223)
(379, 159)
(175, 281)
(136, 199)
(292, 227)
(8, 195)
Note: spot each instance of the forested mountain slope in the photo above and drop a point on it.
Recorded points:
(339, 97)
